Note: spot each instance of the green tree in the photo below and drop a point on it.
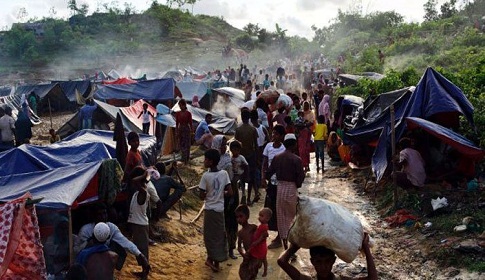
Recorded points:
(430, 12)
(448, 9)
(20, 44)
(252, 29)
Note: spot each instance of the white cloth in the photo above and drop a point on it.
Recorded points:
(145, 116)
(138, 213)
(7, 123)
(414, 167)
(270, 151)
(238, 164)
(152, 192)
(261, 136)
(86, 232)
(214, 183)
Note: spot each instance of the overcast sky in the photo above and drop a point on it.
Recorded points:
(296, 16)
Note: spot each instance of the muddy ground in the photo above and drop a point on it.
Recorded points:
(399, 252)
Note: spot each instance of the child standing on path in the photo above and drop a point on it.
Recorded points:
(250, 265)
(138, 219)
(320, 137)
(258, 247)
(213, 186)
(240, 169)
(146, 118)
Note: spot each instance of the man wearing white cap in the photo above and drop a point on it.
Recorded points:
(98, 260)
(288, 168)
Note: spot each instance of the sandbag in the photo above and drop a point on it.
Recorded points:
(319, 222)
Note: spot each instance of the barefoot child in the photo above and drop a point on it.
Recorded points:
(258, 247)
(213, 186)
(249, 267)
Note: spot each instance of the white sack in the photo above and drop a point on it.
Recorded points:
(319, 222)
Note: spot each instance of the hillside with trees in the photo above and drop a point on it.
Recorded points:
(450, 39)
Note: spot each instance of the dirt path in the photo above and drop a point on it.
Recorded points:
(397, 252)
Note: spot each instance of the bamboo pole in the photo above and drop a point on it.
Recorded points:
(50, 110)
(393, 149)
(71, 245)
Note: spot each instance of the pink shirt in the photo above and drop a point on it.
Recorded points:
(414, 167)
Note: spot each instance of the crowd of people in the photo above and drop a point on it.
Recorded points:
(266, 159)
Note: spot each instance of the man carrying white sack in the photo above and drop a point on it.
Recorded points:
(323, 259)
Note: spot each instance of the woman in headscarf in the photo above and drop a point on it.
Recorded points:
(324, 109)
(230, 203)
(23, 128)
(195, 101)
(183, 121)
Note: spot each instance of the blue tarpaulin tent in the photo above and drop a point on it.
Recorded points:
(159, 89)
(464, 146)
(435, 99)
(58, 187)
(31, 158)
(69, 88)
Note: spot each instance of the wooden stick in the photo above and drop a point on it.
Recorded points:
(393, 149)
(199, 214)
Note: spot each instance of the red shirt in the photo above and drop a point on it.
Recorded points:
(183, 118)
(260, 250)
(133, 159)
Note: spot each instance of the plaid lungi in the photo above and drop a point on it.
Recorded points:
(286, 201)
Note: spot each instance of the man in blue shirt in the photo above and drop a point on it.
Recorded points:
(86, 114)
(203, 135)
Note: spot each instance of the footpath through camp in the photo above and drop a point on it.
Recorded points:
(399, 252)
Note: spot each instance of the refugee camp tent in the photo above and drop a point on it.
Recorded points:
(347, 106)
(147, 148)
(13, 101)
(105, 115)
(376, 114)
(70, 87)
(228, 96)
(159, 89)
(49, 94)
(435, 99)
(464, 146)
(352, 79)
(191, 89)
(220, 123)
(113, 74)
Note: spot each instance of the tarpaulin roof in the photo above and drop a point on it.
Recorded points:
(148, 144)
(231, 92)
(159, 89)
(13, 101)
(29, 158)
(191, 89)
(433, 95)
(114, 74)
(59, 187)
(69, 88)
(219, 123)
(119, 81)
(41, 90)
(377, 114)
(132, 112)
(448, 136)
